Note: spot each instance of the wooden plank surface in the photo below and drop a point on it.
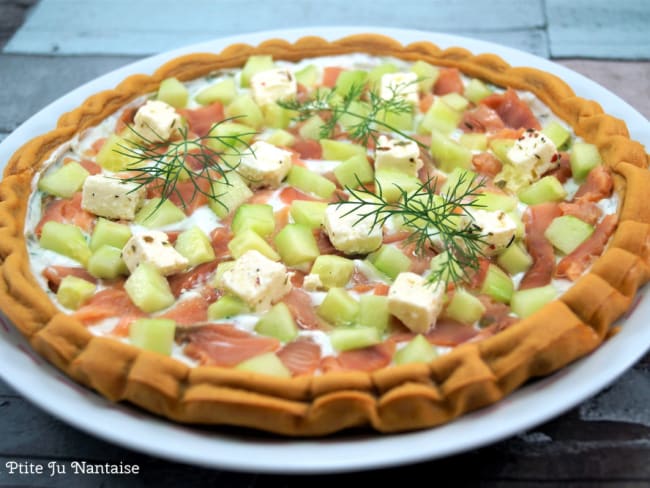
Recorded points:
(599, 28)
(127, 27)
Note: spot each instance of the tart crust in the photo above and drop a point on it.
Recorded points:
(396, 398)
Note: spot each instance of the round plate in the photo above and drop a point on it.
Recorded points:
(34, 378)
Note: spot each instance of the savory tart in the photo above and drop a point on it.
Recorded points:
(303, 238)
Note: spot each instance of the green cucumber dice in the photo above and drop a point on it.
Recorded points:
(66, 239)
(418, 350)
(268, 363)
(347, 338)
(257, 217)
(353, 171)
(247, 111)
(195, 246)
(448, 153)
(74, 291)
(515, 259)
(557, 133)
(310, 182)
(498, 284)
(248, 240)
(390, 261)
(392, 183)
(279, 323)
(223, 91)
(465, 307)
(584, 157)
(441, 117)
(307, 76)
(153, 334)
(64, 181)
(227, 306)
(106, 262)
(113, 155)
(567, 232)
(155, 214)
(340, 150)
(231, 192)
(373, 312)
(427, 75)
(281, 138)
(476, 90)
(548, 189)
(308, 213)
(297, 245)
(109, 233)
(173, 92)
(148, 289)
(312, 127)
(339, 307)
(527, 302)
(333, 271)
(253, 65)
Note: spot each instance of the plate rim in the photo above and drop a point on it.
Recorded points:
(337, 447)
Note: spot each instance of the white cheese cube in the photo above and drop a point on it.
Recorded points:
(497, 227)
(533, 154)
(264, 165)
(112, 198)
(312, 282)
(414, 302)
(153, 247)
(157, 121)
(272, 85)
(397, 155)
(257, 280)
(348, 233)
(401, 85)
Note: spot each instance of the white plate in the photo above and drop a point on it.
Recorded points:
(123, 425)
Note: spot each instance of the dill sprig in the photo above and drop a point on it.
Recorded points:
(365, 119)
(440, 222)
(162, 165)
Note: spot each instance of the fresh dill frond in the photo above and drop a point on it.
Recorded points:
(366, 118)
(442, 222)
(162, 165)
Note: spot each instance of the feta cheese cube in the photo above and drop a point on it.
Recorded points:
(272, 85)
(111, 197)
(257, 280)
(348, 234)
(402, 85)
(312, 282)
(414, 302)
(532, 155)
(264, 165)
(153, 247)
(157, 121)
(497, 227)
(397, 155)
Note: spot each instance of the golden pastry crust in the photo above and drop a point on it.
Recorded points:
(393, 399)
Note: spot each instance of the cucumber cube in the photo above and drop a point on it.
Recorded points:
(248, 240)
(500, 148)
(106, 262)
(281, 138)
(312, 127)
(567, 232)
(427, 75)
(458, 181)
(255, 64)
(345, 339)
(296, 244)
(465, 307)
(476, 90)
(515, 259)
(354, 170)
(64, 181)
(449, 154)
(527, 302)
(217, 280)
(223, 91)
(474, 141)
(339, 307)
(418, 350)
(153, 334)
(375, 74)
(333, 271)
(230, 193)
(227, 306)
(584, 157)
(340, 150)
(278, 322)
(440, 265)
(548, 189)
(441, 117)
(310, 182)
(113, 154)
(307, 76)
(148, 289)
(373, 312)
(498, 284)
(268, 363)
(155, 214)
(195, 246)
(277, 117)
(349, 78)
(257, 217)
(74, 291)
(495, 201)
(249, 113)
(390, 261)
(173, 92)
(557, 133)
(66, 239)
(398, 120)
(392, 183)
(109, 233)
(230, 139)
(308, 213)
(455, 101)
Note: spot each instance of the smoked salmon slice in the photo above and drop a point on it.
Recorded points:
(224, 345)
(537, 218)
(481, 119)
(513, 111)
(582, 209)
(573, 265)
(202, 119)
(302, 309)
(54, 275)
(449, 81)
(301, 356)
(107, 303)
(599, 185)
(66, 211)
(366, 359)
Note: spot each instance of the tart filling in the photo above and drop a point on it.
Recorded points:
(339, 213)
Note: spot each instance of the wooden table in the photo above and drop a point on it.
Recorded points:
(604, 441)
